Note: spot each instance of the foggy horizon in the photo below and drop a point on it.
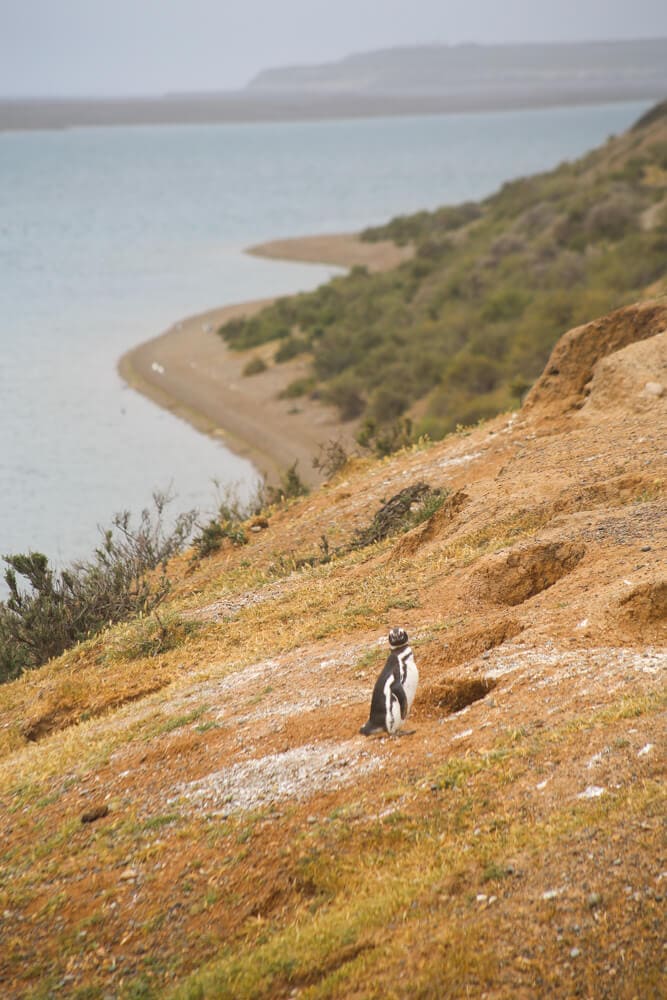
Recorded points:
(87, 50)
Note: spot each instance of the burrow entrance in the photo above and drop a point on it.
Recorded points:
(447, 697)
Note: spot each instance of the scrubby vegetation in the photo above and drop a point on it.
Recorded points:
(255, 366)
(468, 323)
(409, 507)
(126, 576)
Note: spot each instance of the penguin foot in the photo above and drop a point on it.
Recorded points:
(369, 730)
(406, 732)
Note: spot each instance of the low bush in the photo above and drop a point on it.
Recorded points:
(331, 458)
(126, 576)
(344, 392)
(233, 511)
(291, 486)
(255, 366)
(412, 506)
(212, 535)
(290, 348)
(297, 388)
(385, 440)
(151, 636)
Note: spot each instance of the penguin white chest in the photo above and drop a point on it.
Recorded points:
(409, 675)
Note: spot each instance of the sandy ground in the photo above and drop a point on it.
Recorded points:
(190, 371)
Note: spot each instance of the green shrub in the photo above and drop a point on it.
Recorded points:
(297, 388)
(290, 348)
(611, 219)
(409, 507)
(505, 304)
(388, 403)
(212, 535)
(255, 366)
(63, 607)
(151, 636)
(331, 458)
(233, 511)
(344, 392)
(474, 373)
(291, 486)
(384, 441)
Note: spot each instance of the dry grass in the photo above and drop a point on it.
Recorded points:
(435, 863)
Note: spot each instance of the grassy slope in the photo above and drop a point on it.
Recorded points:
(465, 862)
(466, 327)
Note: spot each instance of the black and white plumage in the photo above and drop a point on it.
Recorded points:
(395, 688)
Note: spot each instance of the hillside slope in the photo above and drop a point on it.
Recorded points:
(460, 331)
(187, 808)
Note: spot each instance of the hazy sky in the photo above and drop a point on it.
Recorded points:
(103, 47)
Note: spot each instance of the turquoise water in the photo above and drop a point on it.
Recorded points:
(107, 236)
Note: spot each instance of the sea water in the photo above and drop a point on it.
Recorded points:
(109, 235)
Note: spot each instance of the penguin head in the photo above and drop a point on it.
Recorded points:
(397, 637)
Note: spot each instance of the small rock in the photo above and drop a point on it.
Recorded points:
(97, 812)
(129, 875)
(575, 953)
(655, 389)
(594, 899)
(645, 749)
(481, 897)
(551, 894)
(592, 792)
(645, 548)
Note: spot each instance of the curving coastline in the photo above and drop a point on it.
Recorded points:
(191, 372)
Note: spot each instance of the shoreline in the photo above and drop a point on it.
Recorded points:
(190, 371)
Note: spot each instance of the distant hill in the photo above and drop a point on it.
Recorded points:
(639, 67)
(427, 79)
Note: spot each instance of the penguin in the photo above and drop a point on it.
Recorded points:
(395, 688)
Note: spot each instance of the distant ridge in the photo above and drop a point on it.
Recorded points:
(418, 80)
(438, 70)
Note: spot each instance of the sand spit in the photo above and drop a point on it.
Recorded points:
(189, 371)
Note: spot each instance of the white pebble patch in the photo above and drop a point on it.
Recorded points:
(294, 774)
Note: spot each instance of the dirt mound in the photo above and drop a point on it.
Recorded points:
(646, 604)
(613, 492)
(465, 643)
(434, 527)
(637, 374)
(562, 385)
(515, 576)
(54, 711)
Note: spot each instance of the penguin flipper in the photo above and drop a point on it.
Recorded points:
(398, 690)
